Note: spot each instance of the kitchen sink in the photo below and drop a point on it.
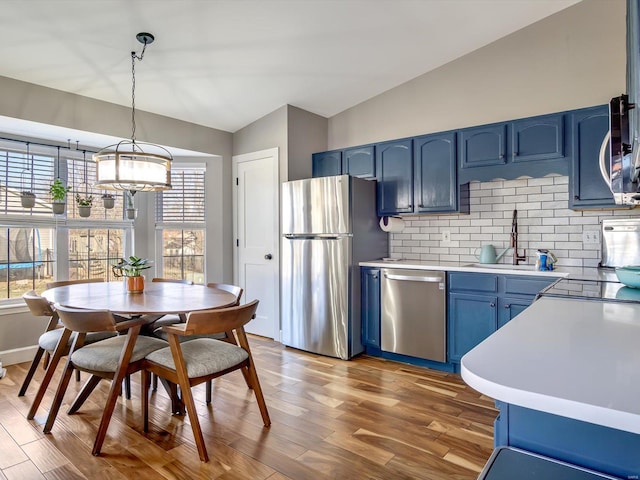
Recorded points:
(501, 266)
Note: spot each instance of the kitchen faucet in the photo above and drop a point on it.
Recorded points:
(514, 240)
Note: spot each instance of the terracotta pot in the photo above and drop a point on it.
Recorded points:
(135, 284)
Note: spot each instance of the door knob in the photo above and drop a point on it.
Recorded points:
(268, 256)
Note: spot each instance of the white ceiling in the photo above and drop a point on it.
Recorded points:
(226, 63)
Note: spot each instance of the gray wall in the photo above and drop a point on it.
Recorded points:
(575, 58)
(297, 134)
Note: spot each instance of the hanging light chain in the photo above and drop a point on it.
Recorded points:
(133, 88)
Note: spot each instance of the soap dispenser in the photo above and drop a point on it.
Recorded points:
(545, 260)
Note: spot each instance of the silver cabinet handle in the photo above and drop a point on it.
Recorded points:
(507, 306)
(492, 304)
(411, 278)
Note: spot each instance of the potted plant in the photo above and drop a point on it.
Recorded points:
(108, 201)
(27, 199)
(131, 269)
(58, 194)
(130, 210)
(84, 205)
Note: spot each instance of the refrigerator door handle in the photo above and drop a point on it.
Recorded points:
(412, 278)
(319, 236)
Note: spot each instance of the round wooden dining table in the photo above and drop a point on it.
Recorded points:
(158, 297)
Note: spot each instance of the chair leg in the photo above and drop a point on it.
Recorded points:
(114, 391)
(45, 362)
(31, 372)
(145, 399)
(48, 374)
(88, 387)
(57, 401)
(208, 387)
(77, 375)
(127, 387)
(154, 380)
(257, 390)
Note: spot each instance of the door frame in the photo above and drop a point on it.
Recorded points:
(275, 177)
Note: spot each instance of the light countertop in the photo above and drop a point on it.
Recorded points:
(574, 358)
(583, 273)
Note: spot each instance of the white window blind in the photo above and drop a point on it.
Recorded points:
(184, 203)
(25, 173)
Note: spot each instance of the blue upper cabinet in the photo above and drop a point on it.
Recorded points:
(587, 188)
(531, 147)
(483, 146)
(538, 138)
(326, 164)
(360, 162)
(394, 166)
(435, 174)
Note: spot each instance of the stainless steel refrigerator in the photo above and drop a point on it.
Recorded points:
(329, 225)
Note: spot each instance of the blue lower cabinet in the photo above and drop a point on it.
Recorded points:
(480, 303)
(472, 318)
(509, 307)
(370, 301)
(603, 449)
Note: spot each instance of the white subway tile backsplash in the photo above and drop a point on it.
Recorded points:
(544, 221)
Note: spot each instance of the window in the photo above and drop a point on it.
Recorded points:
(37, 246)
(26, 260)
(93, 251)
(180, 222)
(22, 173)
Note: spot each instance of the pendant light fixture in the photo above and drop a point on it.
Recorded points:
(131, 165)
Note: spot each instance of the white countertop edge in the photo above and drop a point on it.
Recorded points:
(628, 422)
(461, 267)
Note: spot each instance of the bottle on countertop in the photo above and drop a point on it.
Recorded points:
(545, 260)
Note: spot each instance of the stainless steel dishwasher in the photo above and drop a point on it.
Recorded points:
(413, 317)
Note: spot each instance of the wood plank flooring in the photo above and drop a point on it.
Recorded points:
(363, 419)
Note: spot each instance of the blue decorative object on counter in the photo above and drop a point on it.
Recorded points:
(629, 275)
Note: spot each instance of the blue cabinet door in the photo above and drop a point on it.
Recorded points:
(472, 318)
(538, 138)
(360, 162)
(326, 164)
(435, 173)
(370, 300)
(483, 146)
(587, 188)
(509, 307)
(394, 164)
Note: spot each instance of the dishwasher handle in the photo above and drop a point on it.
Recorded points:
(412, 278)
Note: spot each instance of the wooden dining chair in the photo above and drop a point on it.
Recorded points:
(192, 362)
(236, 291)
(111, 359)
(47, 342)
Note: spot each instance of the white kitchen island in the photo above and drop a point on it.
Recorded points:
(565, 375)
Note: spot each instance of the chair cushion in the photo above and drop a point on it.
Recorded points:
(203, 356)
(49, 340)
(104, 356)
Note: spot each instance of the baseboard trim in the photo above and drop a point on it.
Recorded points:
(18, 355)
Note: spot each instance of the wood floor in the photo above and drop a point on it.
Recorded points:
(363, 419)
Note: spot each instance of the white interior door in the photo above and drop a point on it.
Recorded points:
(256, 229)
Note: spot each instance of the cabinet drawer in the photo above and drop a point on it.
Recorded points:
(517, 285)
(477, 282)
